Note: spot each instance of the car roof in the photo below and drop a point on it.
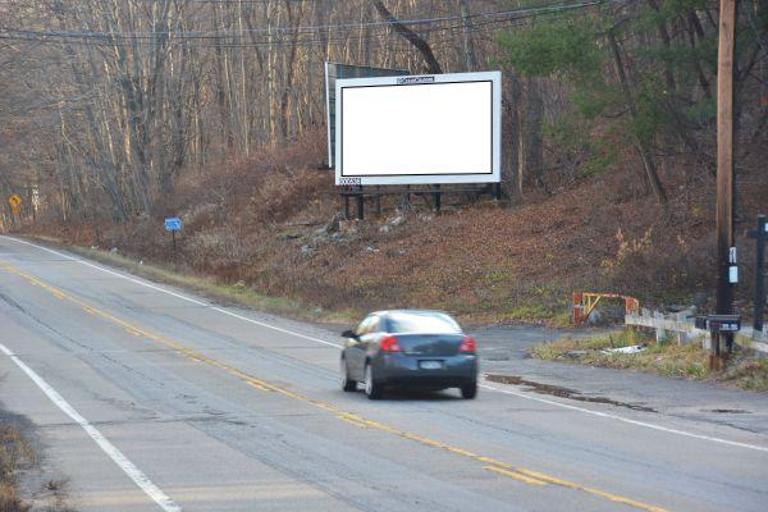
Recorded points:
(409, 311)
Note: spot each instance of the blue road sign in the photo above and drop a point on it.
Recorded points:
(173, 224)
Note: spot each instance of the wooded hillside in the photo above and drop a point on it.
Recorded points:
(107, 104)
(115, 113)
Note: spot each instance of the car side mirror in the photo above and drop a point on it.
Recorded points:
(349, 334)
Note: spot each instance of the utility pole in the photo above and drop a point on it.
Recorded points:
(724, 206)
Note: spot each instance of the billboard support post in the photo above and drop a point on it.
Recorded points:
(438, 198)
(360, 204)
(345, 197)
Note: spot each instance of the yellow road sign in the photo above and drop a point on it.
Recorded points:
(15, 201)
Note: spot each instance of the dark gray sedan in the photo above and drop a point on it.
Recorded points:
(409, 348)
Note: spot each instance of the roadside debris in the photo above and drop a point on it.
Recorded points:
(632, 349)
(349, 227)
(391, 223)
(333, 225)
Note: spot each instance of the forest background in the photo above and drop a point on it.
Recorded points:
(117, 113)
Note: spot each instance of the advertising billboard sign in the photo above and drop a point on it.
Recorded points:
(429, 129)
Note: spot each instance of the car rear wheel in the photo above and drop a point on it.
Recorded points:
(347, 384)
(469, 391)
(372, 388)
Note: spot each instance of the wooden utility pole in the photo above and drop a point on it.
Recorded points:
(724, 206)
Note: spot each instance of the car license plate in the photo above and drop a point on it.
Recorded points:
(431, 365)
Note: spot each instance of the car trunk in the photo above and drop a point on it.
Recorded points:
(430, 344)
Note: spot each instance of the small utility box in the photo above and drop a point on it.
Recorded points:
(719, 326)
(719, 323)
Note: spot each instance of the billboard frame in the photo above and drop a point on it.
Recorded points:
(494, 176)
(336, 71)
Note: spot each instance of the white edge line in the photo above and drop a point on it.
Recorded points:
(128, 467)
(626, 420)
(484, 386)
(169, 292)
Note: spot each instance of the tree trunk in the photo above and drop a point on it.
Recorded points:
(433, 67)
(643, 149)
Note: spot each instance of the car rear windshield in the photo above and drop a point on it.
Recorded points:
(433, 323)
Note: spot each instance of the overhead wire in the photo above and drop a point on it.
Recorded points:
(275, 35)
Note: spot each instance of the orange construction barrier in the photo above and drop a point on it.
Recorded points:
(585, 302)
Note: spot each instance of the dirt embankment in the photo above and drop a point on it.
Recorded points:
(267, 225)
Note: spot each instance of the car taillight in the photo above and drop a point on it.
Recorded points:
(389, 344)
(468, 346)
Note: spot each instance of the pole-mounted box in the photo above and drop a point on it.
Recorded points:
(719, 323)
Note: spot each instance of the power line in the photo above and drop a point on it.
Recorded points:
(111, 37)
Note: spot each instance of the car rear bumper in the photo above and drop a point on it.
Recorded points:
(404, 370)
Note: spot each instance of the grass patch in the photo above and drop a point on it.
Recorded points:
(688, 361)
(491, 312)
(552, 316)
(750, 374)
(234, 293)
(542, 305)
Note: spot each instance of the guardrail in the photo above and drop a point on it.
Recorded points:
(682, 326)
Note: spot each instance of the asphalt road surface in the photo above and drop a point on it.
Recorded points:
(148, 398)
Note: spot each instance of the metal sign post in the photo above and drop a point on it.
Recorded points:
(173, 224)
(761, 237)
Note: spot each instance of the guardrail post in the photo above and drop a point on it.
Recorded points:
(661, 333)
(576, 312)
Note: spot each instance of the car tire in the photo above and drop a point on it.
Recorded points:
(469, 391)
(373, 389)
(347, 384)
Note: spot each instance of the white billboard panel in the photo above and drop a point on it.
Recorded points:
(336, 71)
(418, 129)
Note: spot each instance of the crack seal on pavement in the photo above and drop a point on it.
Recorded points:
(558, 391)
(490, 463)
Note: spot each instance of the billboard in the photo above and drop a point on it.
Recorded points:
(333, 71)
(427, 129)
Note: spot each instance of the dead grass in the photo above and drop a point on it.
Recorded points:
(238, 293)
(260, 222)
(749, 374)
(16, 454)
(688, 361)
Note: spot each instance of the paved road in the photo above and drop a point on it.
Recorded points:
(148, 398)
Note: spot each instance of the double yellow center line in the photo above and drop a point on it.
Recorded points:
(496, 466)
